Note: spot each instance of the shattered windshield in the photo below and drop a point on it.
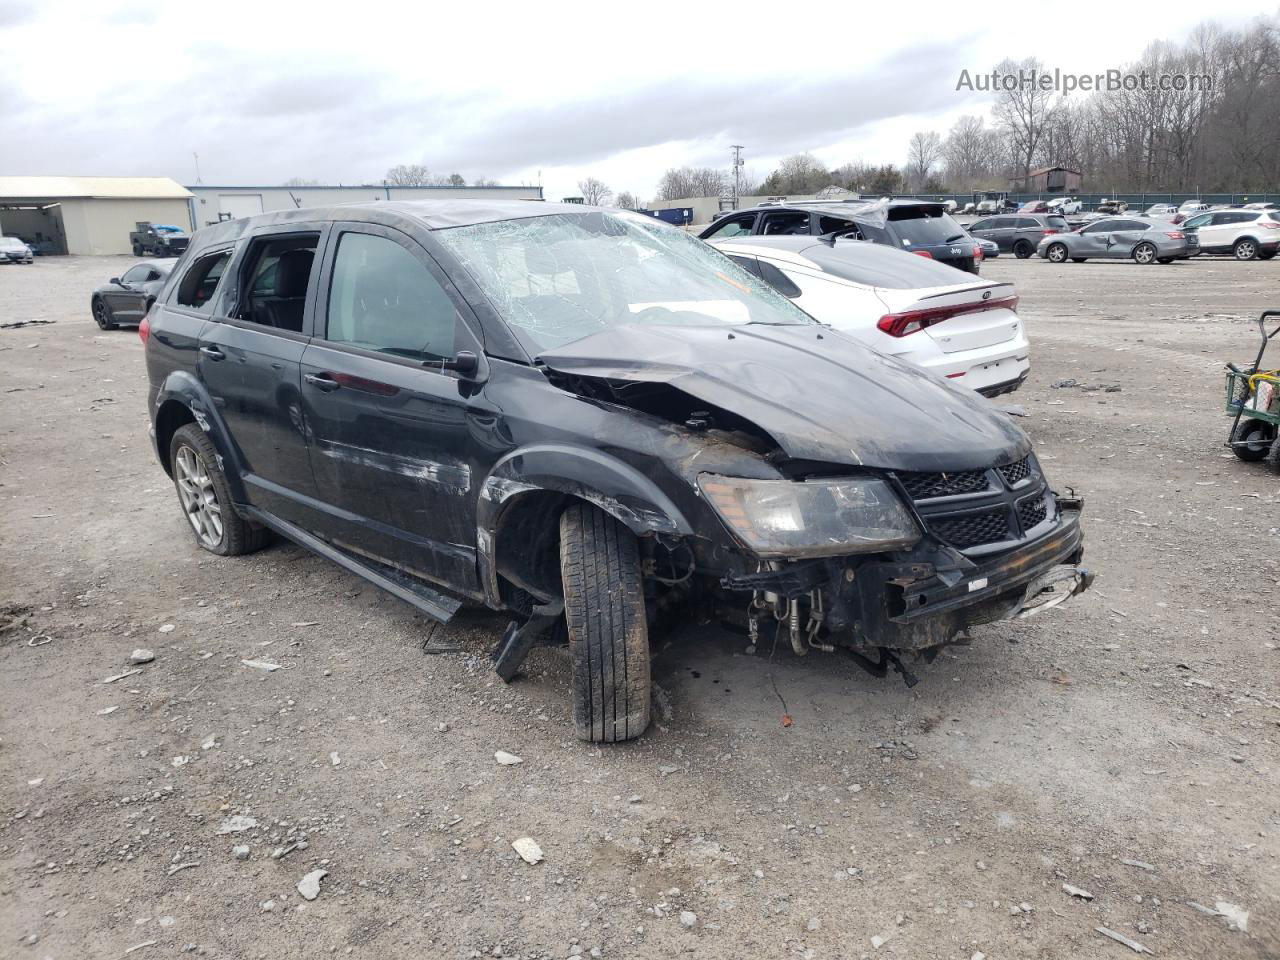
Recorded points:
(559, 278)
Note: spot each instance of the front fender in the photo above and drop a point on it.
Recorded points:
(613, 485)
(183, 389)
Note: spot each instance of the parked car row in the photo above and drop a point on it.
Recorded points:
(13, 250)
(591, 421)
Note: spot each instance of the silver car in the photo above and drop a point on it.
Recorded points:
(1120, 238)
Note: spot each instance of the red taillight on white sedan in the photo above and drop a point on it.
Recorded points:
(912, 321)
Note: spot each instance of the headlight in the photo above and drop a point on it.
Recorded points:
(814, 518)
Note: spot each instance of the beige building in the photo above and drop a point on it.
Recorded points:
(89, 215)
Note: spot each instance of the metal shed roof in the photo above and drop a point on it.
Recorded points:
(116, 188)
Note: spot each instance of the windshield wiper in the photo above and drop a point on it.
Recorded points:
(958, 236)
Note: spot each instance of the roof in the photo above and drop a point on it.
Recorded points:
(129, 188)
(1039, 170)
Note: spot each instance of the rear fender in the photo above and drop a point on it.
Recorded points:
(182, 389)
(549, 475)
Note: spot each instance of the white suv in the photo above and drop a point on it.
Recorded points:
(1245, 234)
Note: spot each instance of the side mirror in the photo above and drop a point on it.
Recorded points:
(466, 363)
(116, 281)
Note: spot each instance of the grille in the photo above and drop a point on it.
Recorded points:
(974, 530)
(923, 486)
(1015, 473)
(1031, 512)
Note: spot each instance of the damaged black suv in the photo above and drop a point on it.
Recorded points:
(591, 420)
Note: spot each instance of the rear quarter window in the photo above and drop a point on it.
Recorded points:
(1056, 223)
(199, 284)
(923, 226)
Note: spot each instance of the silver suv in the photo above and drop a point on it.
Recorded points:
(1245, 234)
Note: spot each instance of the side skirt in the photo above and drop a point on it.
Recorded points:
(434, 604)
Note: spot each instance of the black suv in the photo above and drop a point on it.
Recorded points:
(595, 422)
(916, 226)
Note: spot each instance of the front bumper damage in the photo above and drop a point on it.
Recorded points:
(914, 602)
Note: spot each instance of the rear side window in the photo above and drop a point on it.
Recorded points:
(1055, 223)
(778, 280)
(923, 226)
(200, 282)
(275, 280)
(834, 224)
(785, 224)
(383, 298)
(982, 225)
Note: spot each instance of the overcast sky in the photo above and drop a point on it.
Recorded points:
(521, 93)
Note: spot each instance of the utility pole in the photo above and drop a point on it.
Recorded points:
(737, 171)
(197, 158)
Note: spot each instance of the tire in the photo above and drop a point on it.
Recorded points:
(1145, 253)
(137, 250)
(1022, 249)
(206, 499)
(608, 634)
(1079, 259)
(1245, 249)
(1164, 259)
(1266, 254)
(1056, 253)
(102, 315)
(1260, 434)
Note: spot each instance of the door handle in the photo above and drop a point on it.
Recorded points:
(213, 353)
(322, 381)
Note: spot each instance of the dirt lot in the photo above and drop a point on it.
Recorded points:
(1127, 743)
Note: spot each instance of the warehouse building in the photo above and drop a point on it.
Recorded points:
(88, 215)
(211, 204)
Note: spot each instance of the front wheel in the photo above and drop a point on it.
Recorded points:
(1145, 253)
(206, 499)
(608, 634)
(1022, 249)
(102, 315)
(1252, 439)
(1057, 253)
(1245, 249)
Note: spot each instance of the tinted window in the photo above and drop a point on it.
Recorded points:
(732, 227)
(200, 283)
(923, 226)
(778, 280)
(275, 278)
(1056, 223)
(749, 264)
(833, 224)
(1028, 223)
(982, 225)
(1130, 226)
(785, 224)
(1198, 221)
(382, 297)
(1102, 226)
(136, 275)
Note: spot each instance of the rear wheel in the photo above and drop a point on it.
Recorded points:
(1273, 457)
(1266, 254)
(1022, 249)
(1056, 253)
(1245, 249)
(608, 634)
(102, 315)
(1145, 253)
(1164, 259)
(1079, 259)
(1252, 439)
(206, 499)
(137, 250)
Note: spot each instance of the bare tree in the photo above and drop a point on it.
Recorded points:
(300, 182)
(686, 182)
(923, 153)
(801, 173)
(1023, 110)
(594, 192)
(484, 182)
(626, 200)
(409, 175)
(965, 153)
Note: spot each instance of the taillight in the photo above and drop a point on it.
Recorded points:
(1049, 230)
(913, 321)
(1269, 224)
(1176, 235)
(923, 253)
(977, 252)
(144, 328)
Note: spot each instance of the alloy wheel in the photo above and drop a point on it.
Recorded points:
(1245, 250)
(100, 314)
(1145, 253)
(199, 499)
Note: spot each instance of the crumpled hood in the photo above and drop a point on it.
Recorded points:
(820, 395)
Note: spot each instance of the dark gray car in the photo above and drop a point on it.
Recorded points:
(1019, 233)
(126, 300)
(1122, 238)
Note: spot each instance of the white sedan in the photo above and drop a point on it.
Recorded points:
(949, 322)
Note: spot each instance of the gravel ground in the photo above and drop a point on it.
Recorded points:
(1125, 743)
